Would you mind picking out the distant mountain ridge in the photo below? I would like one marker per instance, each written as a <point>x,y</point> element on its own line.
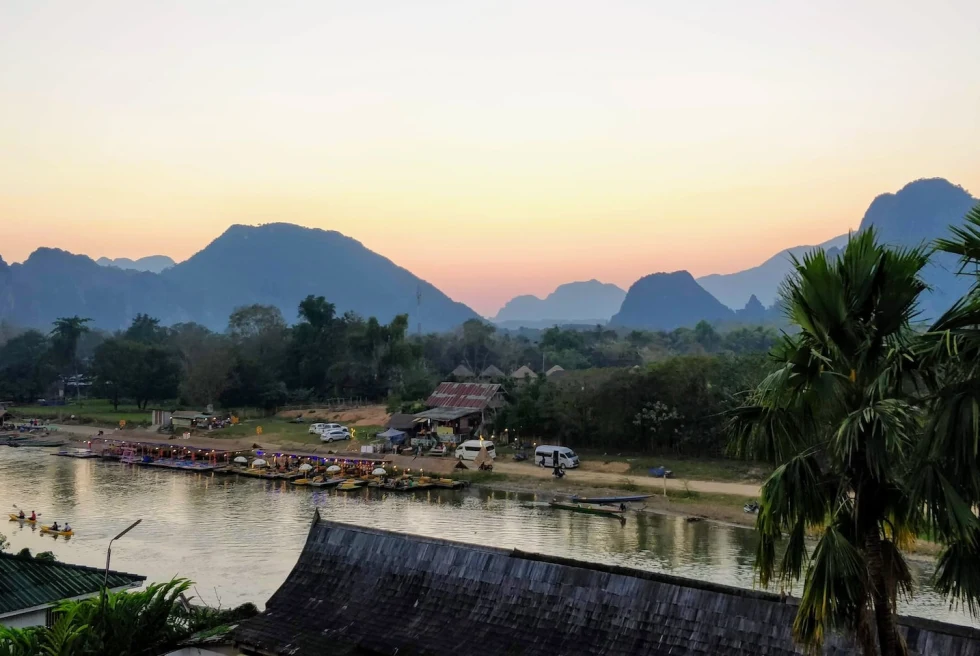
<point>151,263</point>
<point>276,264</point>
<point>587,302</point>
<point>665,301</point>
<point>918,213</point>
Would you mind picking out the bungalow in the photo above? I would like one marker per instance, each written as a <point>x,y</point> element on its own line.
<point>30,588</point>
<point>462,372</point>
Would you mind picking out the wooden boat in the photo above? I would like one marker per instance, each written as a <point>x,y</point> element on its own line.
<point>48,529</point>
<point>610,500</point>
<point>330,482</point>
<point>590,510</point>
<point>17,518</point>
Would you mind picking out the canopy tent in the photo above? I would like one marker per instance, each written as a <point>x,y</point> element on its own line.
<point>394,436</point>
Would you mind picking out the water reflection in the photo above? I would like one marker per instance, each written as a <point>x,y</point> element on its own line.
<point>238,538</point>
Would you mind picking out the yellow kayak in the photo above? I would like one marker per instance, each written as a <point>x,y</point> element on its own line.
<point>47,529</point>
<point>301,481</point>
<point>17,518</point>
<point>349,485</point>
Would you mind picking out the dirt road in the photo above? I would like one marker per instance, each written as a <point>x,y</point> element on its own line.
<point>646,484</point>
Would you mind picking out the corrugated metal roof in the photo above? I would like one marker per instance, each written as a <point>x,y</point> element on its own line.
<point>385,592</point>
<point>444,414</point>
<point>28,583</point>
<point>463,395</point>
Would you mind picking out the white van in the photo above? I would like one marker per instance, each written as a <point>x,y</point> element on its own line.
<point>544,456</point>
<point>470,449</point>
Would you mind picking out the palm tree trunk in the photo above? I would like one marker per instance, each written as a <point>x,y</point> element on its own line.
<point>889,640</point>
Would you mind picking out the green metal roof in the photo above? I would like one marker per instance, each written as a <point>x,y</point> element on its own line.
<point>28,583</point>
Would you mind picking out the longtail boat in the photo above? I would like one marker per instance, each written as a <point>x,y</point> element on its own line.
<point>589,510</point>
<point>609,500</point>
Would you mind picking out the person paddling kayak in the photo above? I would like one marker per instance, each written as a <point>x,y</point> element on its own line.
<point>33,516</point>
<point>21,515</point>
<point>54,527</point>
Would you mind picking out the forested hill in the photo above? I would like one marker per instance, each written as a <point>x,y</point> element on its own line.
<point>274,264</point>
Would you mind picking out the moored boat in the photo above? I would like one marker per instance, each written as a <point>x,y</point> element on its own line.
<point>609,500</point>
<point>351,484</point>
<point>588,509</point>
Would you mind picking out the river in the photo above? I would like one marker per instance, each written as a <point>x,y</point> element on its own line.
<point>238,538</point>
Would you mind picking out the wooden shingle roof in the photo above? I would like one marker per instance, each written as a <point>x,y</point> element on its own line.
<point>369,591</point>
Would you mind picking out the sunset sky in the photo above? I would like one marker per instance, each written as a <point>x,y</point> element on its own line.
<point>493,148</point>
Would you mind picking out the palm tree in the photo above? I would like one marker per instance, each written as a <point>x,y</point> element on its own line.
<point>837,418</point>
<point>66,333</point>
<point>948,481</point>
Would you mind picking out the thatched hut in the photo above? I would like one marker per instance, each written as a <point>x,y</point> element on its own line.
<point>462,372</point>
<point>492,373</point>
<point>369,591</point>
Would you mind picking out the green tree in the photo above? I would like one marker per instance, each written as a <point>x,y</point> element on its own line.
<point>26,368</point>
<point>836,418</point>
<point>947,481</point>
<point>65,335</point>
<point>145,330</point>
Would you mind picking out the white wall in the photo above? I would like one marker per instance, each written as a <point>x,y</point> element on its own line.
<point>25,620</point>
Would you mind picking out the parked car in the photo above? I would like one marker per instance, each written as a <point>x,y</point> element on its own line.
<point>334,435</point>
<point>470,449</point>
<point>326,428</point>
<point>438,450</point>
<point>317,428</point>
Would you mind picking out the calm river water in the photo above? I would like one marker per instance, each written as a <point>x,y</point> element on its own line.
<point>238,538</point>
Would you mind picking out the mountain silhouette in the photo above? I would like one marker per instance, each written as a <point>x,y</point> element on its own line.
<point>277,264</point>
<point>280,264</point>
<point>151,263</point>
<point>588,302</point>
<point>735,289</point>
<point>665,301</point>
<point>918,213</point>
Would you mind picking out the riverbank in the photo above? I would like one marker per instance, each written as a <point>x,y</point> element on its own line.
<point>718,501</point>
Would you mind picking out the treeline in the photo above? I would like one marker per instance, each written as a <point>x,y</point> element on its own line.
<point>676,406</point>
<point>261,361</point>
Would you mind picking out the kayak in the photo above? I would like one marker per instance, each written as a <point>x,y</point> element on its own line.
<point>590,510</point>
<point>47,529</point>
<point>350,485</point>
<point>17,518</point>
<point>300,481</point>
<point>606,500</point>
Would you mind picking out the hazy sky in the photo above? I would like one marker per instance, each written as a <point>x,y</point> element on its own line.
<point>493,148</point>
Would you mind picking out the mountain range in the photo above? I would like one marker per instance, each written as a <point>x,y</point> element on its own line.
<point>276,264</point>
<point>279,264</point>
<point>915,215</point>
<point>589,302</point>
<point>151,263</point>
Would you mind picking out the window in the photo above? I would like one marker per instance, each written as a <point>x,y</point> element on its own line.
<point>471,448</point>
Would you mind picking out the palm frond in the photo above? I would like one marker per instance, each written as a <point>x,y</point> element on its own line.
<point>834,595</point>
<point>958,572</point>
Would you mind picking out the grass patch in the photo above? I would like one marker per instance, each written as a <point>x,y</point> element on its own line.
<point>284,430</point>
<point>698,469</point>
<point>87,411</point>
